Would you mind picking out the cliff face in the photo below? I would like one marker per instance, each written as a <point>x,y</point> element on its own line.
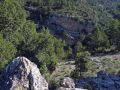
<point>57,22</point>
<point>68,24</point>
<point>22,74</point>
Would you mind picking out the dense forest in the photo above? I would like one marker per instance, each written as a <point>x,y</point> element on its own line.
<point>23,32</point>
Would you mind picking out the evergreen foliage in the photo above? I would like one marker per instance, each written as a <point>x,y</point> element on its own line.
<point>7,52</point>
<point>81,63</point>
<point>19,37</point>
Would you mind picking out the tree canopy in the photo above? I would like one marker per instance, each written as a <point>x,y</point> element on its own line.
<point>7,52</point>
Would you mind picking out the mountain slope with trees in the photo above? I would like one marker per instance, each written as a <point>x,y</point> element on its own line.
<point>25,31</point>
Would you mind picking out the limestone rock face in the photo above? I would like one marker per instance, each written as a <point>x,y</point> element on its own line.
<point>22,74</point>
<point>70,25</point>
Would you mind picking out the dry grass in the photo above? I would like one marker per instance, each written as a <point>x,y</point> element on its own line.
<point>63,69</point>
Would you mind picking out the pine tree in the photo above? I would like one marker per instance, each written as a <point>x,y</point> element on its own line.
<point>81,62</point>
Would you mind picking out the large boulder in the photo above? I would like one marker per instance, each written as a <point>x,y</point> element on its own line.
<point>22,74</point>
<point>68,84</point>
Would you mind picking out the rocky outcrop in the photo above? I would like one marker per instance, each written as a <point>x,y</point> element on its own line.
<point>69,24</point>
<point>68,84</point>
<point>103,81</point>
<point>61,24</point>
<point>22,74</point>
